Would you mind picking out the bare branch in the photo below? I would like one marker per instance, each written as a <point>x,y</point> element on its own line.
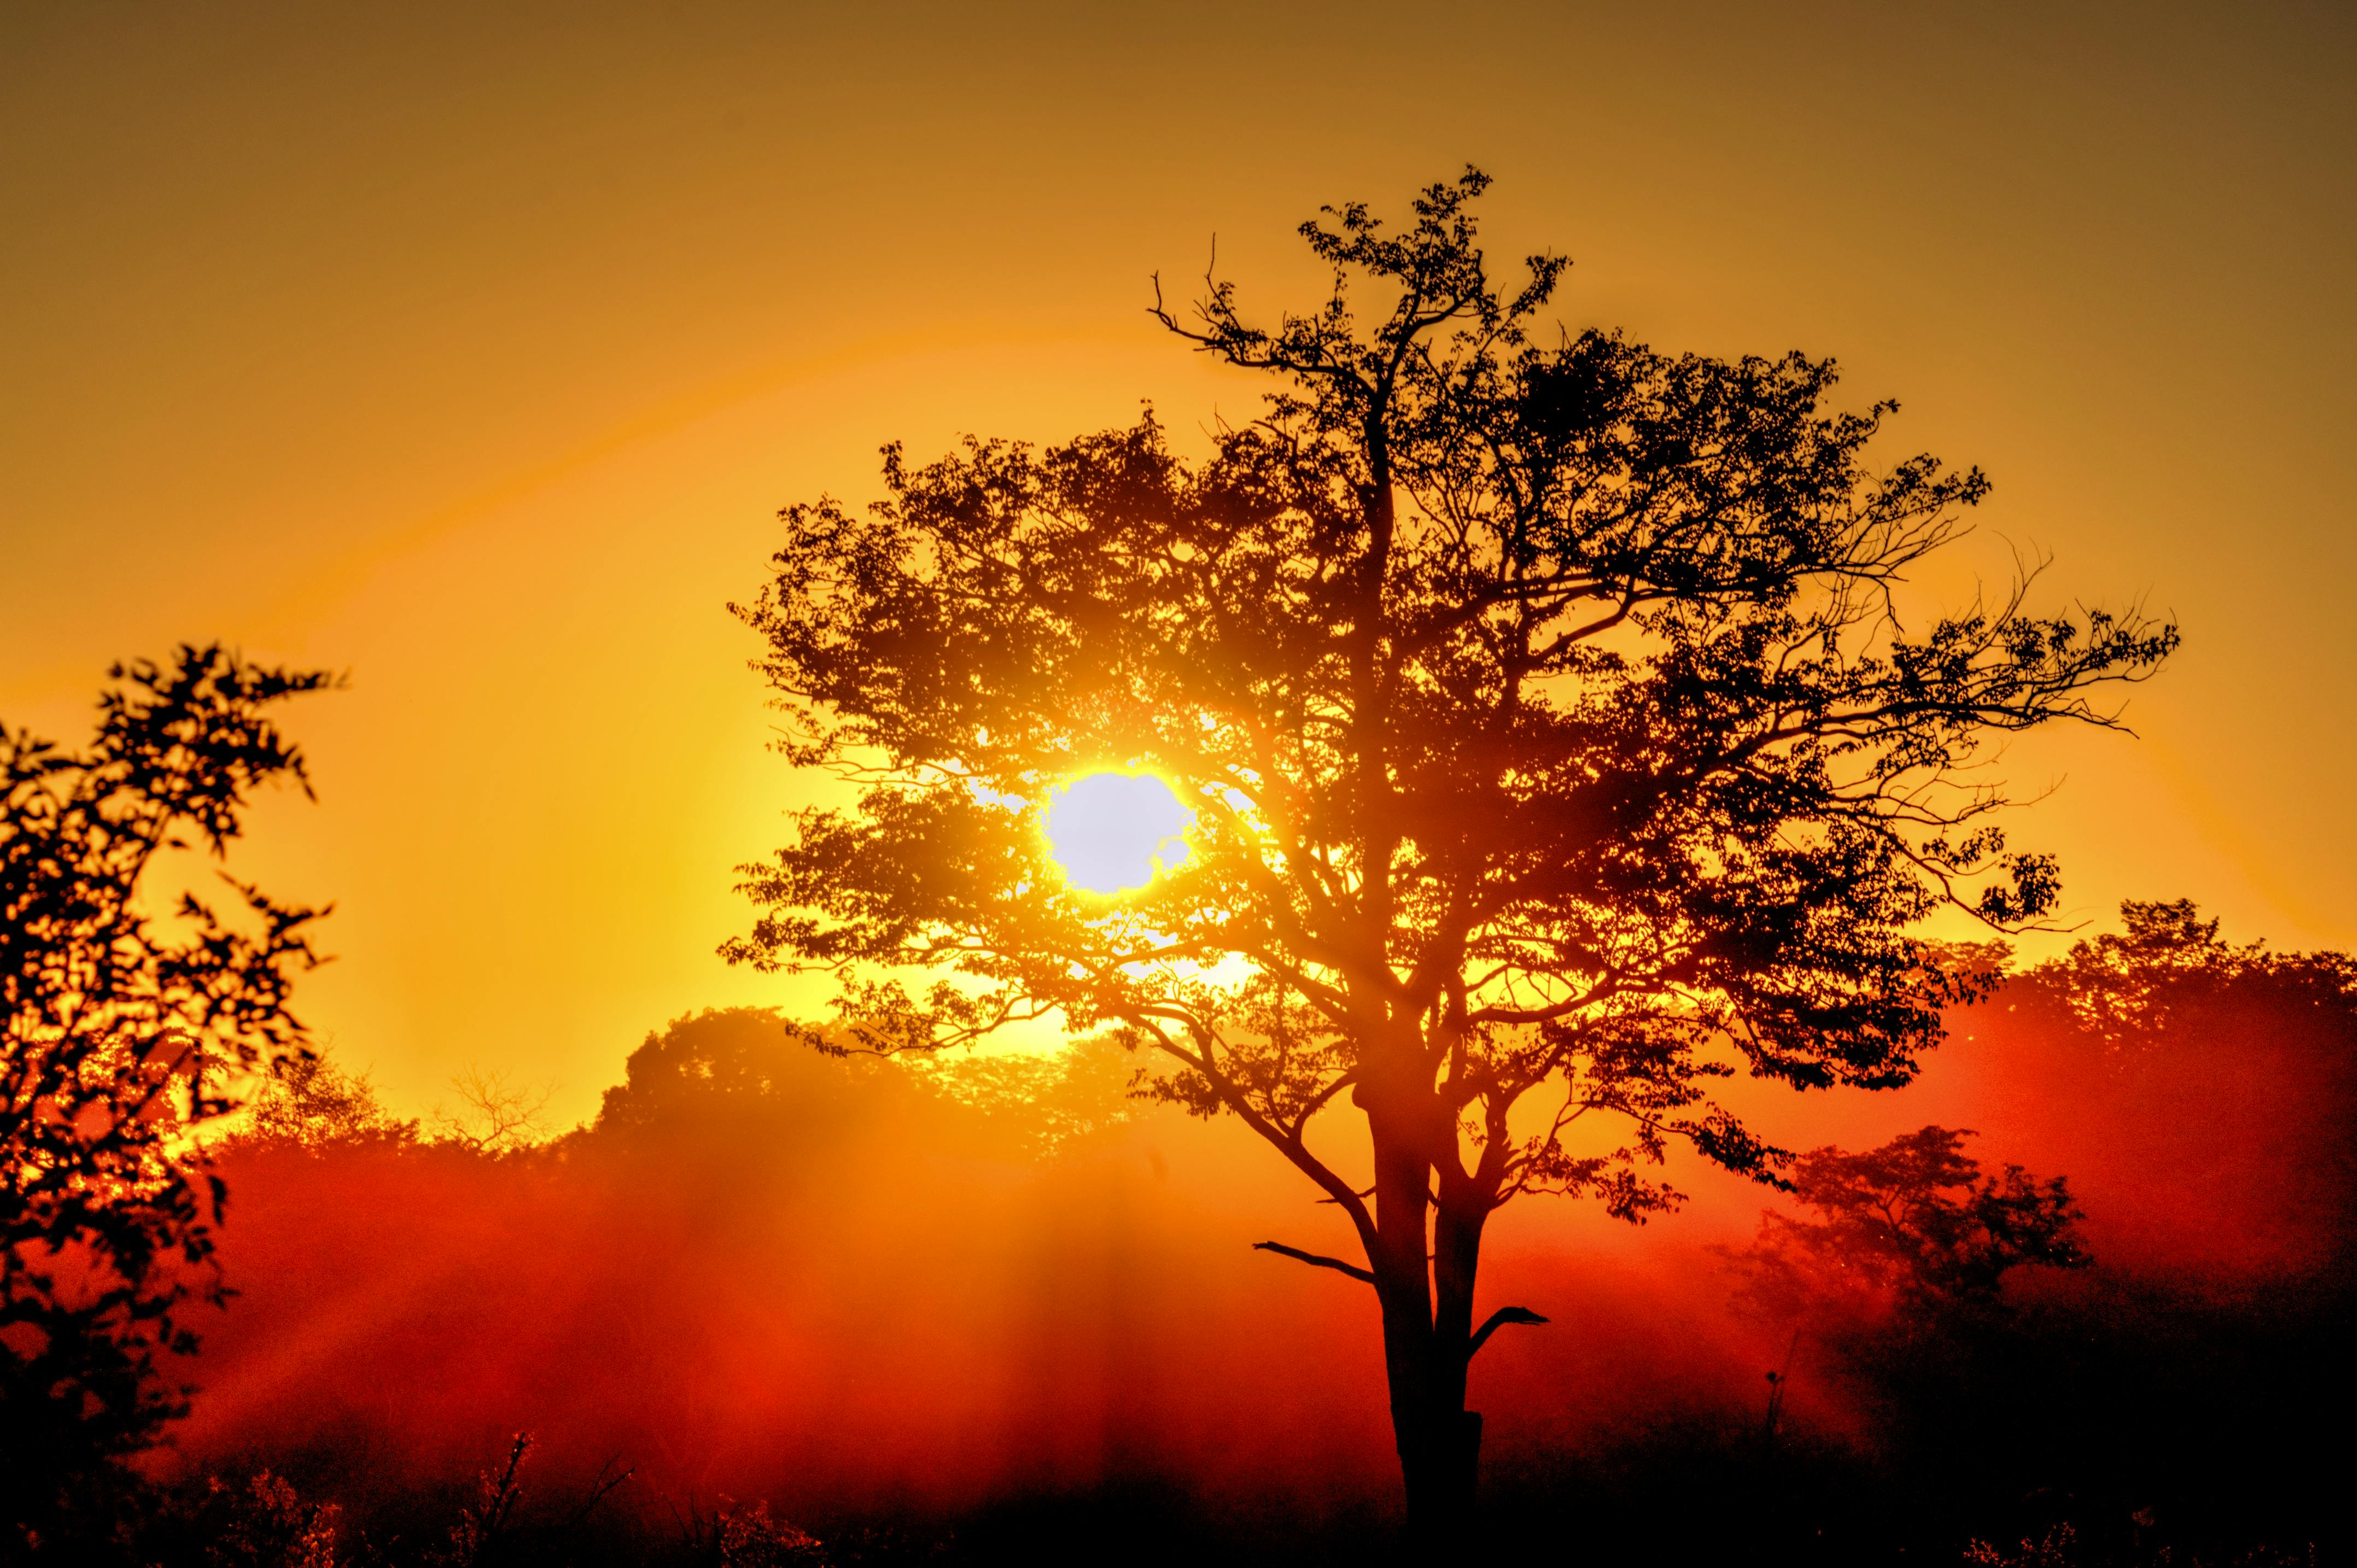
<point>1318,1260</point>
<point>495,1115</point>
<point>1497,1320</point>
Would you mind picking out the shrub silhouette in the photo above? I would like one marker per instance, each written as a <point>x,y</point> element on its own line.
<point>120,1030</point>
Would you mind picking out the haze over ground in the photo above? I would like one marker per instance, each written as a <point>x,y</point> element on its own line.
<point>472,353</point>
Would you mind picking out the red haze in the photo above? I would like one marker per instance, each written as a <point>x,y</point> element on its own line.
<point>848,1292</point>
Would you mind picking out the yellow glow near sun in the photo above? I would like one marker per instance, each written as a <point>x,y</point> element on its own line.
<point>1111,832</point>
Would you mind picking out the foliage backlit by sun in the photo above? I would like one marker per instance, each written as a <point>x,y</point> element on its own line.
<point>1112,831</point>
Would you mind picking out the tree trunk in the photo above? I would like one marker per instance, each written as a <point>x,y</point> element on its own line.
<point>1440,1462</point>
<point>1426,1341</point>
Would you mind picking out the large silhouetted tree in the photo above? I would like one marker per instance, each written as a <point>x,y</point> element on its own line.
<point>1555,748</point>
<point>123,1015</point>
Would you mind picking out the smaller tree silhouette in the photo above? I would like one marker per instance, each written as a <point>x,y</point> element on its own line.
<point>310,1103</point>
<point>496,1116</point>
<point>117,1033</point>
<point>1913,1223</point>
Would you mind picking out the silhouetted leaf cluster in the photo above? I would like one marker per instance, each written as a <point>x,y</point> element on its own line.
<point>120,1029</point>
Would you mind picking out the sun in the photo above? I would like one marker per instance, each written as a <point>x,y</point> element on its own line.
<point>1111,831</point>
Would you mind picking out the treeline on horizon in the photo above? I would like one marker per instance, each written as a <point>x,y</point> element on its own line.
<point>774,1306</point>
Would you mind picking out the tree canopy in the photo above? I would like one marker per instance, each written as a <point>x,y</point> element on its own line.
<point>2169,973</point>
<point>1914,1220</point>
<point>1545,708</point>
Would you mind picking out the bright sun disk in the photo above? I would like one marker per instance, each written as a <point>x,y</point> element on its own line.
<point>1112,831</point>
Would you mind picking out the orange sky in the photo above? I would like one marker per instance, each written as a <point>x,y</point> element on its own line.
<point>473,354</point>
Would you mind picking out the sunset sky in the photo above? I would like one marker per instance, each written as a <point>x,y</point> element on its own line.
<point>471,350</point>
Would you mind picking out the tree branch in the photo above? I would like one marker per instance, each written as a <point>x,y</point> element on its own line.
<point>1497,1320</point>
<point>1318,1260</point>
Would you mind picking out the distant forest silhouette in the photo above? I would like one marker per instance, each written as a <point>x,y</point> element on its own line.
<point>993,1301</point>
